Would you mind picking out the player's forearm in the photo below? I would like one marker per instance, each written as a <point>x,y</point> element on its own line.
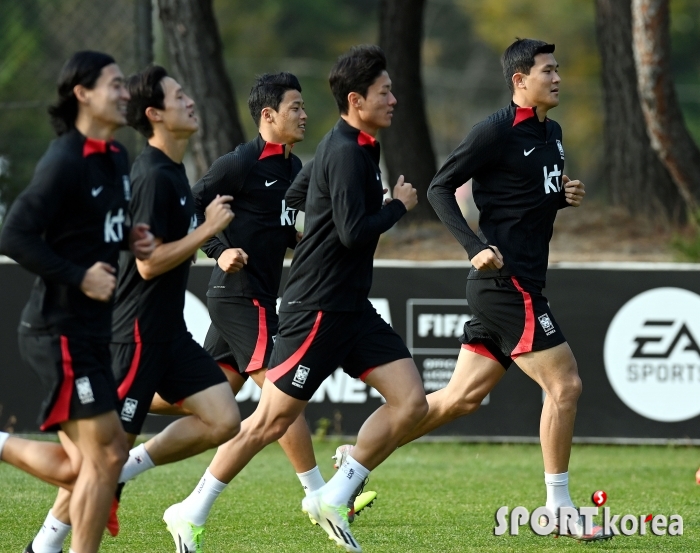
<point>445,205</point>
<point>169,255</point>
<point>355,232</point>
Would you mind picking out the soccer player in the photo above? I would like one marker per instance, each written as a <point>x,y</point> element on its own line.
<point>68,227</point>
<point>151,347</point>
<point>326,320</point>
<point>515,159</point>
<point>250,252</point>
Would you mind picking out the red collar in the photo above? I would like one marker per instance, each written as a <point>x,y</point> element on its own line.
<point>95,146</point>
<point>364,139</point>
<point>522,114</point>
<point>271,149</point>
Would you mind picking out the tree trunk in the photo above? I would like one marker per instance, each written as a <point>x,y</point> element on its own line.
<point>195,54</point>
<point>406,144</point>
<point>669,136</point>
<point>636,178</point>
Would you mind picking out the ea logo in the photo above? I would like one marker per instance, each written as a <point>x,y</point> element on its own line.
<point>652,354</point>
<point>196,317</point>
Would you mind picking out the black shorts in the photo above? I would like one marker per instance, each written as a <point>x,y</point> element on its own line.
<point>511,317</point>
<point>311,345</point>
<point>75,374</point>
<point>242,333</point>
<point>176,370</point>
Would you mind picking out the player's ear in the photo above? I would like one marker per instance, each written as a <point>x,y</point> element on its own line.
<point>268,115</point>
<point>518,80</point>
<point>153,114</point>
<point>355,100</point>
<point>81,94</point>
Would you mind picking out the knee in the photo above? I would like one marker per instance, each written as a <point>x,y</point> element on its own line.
<point>416,407</point>
<point>568,390</point>
<point>226,429</point>
<point>464,405</point>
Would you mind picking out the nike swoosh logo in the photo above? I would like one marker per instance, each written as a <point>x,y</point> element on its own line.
<point>96,191</point>
<point>183,200</point>
<point>269,183</point>
<point>528,153</point>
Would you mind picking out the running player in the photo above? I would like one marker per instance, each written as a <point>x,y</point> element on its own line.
<point>68,227</point>
<point>515,159</point>
<point>152,349</point>
<point>326,319</point>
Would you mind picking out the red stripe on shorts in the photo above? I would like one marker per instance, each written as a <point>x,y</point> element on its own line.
<point>125,386</point>
<point>258,358</point>
<point>480,349</point>
<point>528,336</point>
<point>60,412</point>
<point>280,370</point>
<point>366,373</point>
<point>227,367</point>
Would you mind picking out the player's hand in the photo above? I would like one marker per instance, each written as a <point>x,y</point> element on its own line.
<point>99,282</point>
<point>141,241</point>
<point>218,214</point>
<point>574,190</point>
<point>300,235</point>
<point>405,192</point>
<point>488,259</point>
<point>232,260</point>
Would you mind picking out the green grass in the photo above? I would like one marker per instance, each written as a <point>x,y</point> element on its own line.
<point>432,498</point>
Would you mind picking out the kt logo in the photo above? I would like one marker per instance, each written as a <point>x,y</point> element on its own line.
<point>647,352</point>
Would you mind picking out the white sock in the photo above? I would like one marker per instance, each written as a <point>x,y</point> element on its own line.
<point>345,481</point>
<point>3,439</point>
<point>51,536</point>
<point>557,491</point>
<point>139,461</point>
<point>195,508</point>
<point>311,480</point>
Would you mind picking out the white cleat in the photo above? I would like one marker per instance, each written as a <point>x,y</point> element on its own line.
<point>187,536</point>
<point>333,519</point>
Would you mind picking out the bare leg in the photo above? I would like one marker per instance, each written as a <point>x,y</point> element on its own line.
<point>473,378</point>
<point>296,442</point>
<point>555,370</point>
<point>215,420</point>
<point>402,387</point>
<point>103,447</point>
<point>270,420</point>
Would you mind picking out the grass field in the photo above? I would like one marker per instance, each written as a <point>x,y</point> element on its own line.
<point>432,498</point>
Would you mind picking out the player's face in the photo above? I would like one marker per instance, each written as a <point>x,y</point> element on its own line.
<point>178,117</point>
<point>106,101</point>
<point>542,84</point>
<point>290,119</point>
<point>376,109</point>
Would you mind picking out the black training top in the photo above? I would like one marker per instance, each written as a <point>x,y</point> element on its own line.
<point>72,215</point>
<point>257,175</point>
<point>153,310</point>
<point>516,164</point>
<point>345,215</point>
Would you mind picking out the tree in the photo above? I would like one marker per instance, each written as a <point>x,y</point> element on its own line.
<point>196,55</point>
<point>668,134</point>
<point>636,178</point>
<point>407,147</point>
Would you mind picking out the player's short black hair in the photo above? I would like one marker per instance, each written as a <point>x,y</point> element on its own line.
<point>83,68</point>
<point>146,90</point>
<point>268,91</point>
<point>519,57</point>
<point>356,71</point>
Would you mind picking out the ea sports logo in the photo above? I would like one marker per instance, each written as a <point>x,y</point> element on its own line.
<point>652,354</point>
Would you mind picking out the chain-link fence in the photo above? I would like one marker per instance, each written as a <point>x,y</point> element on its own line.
<point>36,38</point>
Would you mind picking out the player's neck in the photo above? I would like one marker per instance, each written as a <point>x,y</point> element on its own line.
<point>540,111</point>
<point>94,128</point>
<point>353,119</point>
<point>172,146</point>
<point>269,135</point>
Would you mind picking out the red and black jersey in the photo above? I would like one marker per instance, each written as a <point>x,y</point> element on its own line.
<point>257,174</point>
<point>72,215</point>
<point>516,163</point>
<point>344,217</point>
<point>153,310</point>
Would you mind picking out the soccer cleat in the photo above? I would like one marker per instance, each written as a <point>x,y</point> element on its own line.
<point>333,519</point>
<point>187,536</point>
<point>30,549</point>
<point>360,499</point>
<point>597,532</point>
<point>113,521</point>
